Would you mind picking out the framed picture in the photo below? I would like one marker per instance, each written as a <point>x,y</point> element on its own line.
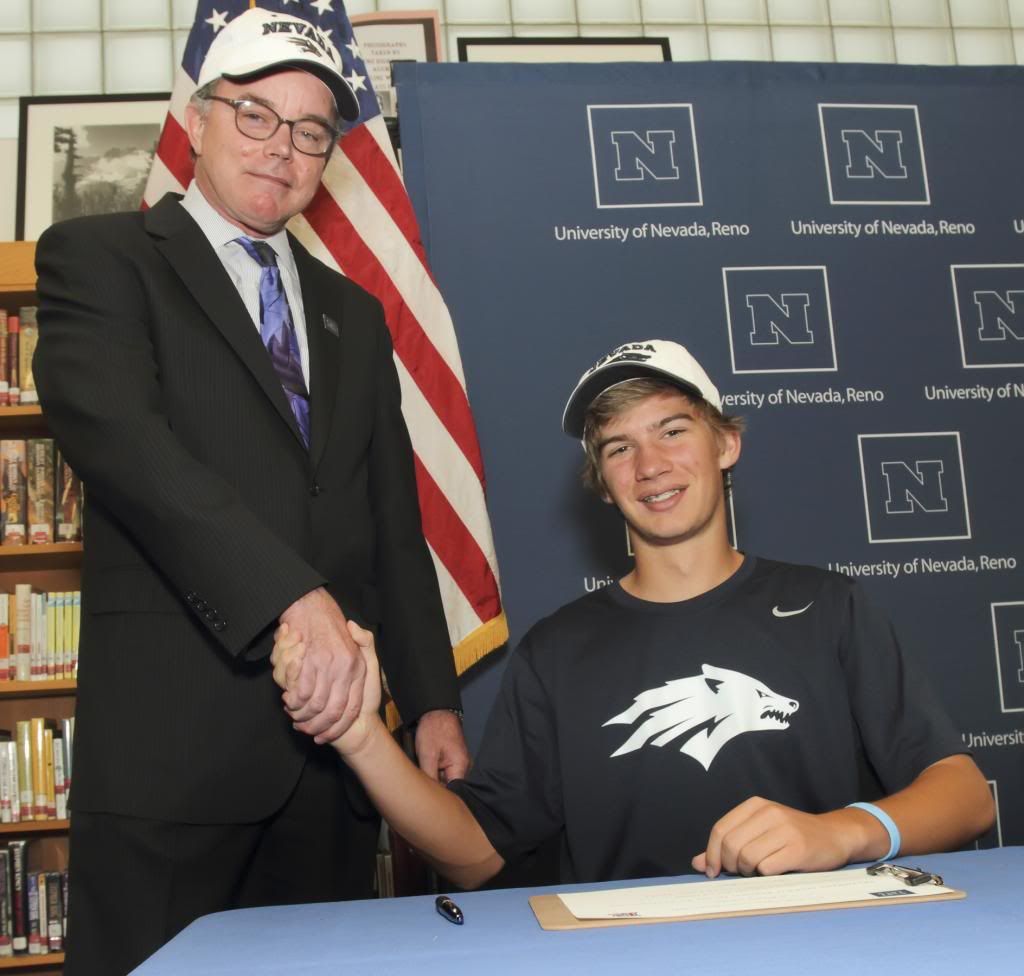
<point>387,37</point>
<point>83,155</point>
<point>548,49</point>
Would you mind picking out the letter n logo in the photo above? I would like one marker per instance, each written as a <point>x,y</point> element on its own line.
<point>780,319</point>
<point>784,317</point>
<point>644,156</point>
<point>874,154</point>
<point>871,154</point>
<point>917,488</point>
<point>989,302</point>
<point>1008,636</point>
<point>914,487</point>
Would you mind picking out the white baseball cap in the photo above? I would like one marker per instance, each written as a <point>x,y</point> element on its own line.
<point>258,41</point>
<point>660,358</point>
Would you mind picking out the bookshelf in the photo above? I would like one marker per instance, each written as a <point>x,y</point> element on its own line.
<point>46,567</point>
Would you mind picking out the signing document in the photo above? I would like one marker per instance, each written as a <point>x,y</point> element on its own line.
<point>744,896</point>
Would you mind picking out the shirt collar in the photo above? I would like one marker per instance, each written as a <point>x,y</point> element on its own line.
<point>219,231</point>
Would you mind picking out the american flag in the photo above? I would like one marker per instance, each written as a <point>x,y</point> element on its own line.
<point>361,222</point>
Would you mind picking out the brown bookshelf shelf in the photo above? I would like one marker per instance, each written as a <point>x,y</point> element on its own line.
<point>37,689</point>
<point>29,410</point>
<point>26,421</point>
<point>56,555</point>
<point>35,827</point>
<point>32,962</point>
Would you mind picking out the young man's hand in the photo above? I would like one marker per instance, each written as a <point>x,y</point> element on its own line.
<point>288,656</point>
<point>762,837</point>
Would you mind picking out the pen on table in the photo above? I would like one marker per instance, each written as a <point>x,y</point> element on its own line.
<point>448,909</point>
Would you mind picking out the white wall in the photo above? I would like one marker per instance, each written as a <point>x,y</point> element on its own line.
<point>8,187</point>
<point>62,47</point>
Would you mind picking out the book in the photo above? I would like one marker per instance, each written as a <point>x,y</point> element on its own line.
<point>13,458</point>
<point>67,735</point>
<point>37,670</point>
<point>51,635</point>
<point>60,657</point>
<point>23,631</point>
<point>64,900</point>
<point>9,764</point>
<point>44,921</point>
<point>13,390</point>
<point>27,339</point>
<point>19,862</point>
<point>54,913</point>
<point>6,921</point>
<point>76,621</point>
<point>6,672</point>
<point>40,490</point>
<point>69,502</point>
<point>7,788</point>
<point>50,785</point>
<point>26,798</point>
<point>59,782</point>
<point>32,914</point>
<point>37,741</point>
<point>5,399</point>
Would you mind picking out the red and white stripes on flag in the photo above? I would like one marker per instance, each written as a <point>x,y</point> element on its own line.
<point>361,223</point>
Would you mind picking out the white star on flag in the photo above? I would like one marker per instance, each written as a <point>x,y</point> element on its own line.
<point>354,48</point>
<point>218,20</point>
<point>322,6</point>
<point>357,81</point>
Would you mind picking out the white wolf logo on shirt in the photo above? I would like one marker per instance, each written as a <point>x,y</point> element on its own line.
<point>709,708</point>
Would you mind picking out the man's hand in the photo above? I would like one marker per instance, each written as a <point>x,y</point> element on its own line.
<point>326,697</point>
<point>762,837</point>
<point>441,747</point>
<point>287,658</point>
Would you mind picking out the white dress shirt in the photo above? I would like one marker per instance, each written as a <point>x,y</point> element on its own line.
<point>244,271</point>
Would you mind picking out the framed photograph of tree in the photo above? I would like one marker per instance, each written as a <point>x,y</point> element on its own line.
<point>82,155</point>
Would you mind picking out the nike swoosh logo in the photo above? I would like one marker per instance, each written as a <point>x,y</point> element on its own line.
<point>776,612</point>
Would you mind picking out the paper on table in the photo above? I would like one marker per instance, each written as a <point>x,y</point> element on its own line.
<point>743,895</point>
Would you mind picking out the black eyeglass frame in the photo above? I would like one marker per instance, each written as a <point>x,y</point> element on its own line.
<point>236,103</point>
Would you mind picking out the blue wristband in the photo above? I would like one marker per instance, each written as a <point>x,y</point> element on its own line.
<point>887,822</point>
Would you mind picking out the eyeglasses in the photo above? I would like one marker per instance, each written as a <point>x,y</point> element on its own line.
<point>310,137</point>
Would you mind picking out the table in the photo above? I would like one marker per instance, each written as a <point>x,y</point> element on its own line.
<point>406,937</point>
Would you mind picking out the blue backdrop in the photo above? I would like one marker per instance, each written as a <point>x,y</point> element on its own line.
<point>840,246</point>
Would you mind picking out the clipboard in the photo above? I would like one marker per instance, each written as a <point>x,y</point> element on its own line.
<point>886,884</point>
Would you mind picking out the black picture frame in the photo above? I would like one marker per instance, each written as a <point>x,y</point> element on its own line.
<point>121,130</point>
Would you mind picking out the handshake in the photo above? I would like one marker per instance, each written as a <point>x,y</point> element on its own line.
<point>287,658</point>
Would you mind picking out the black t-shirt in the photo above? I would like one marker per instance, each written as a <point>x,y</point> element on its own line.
<point>636,725</point>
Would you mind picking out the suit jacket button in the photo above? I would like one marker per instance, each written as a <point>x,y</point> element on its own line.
<point>210,614</point>
<point>200,605</point>
<point>191,598</point>
<point>314,489</point>
<point>220,625</point>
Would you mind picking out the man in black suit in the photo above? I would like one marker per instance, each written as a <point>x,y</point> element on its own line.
<point>229,489</point>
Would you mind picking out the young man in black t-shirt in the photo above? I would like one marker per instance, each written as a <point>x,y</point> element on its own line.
<point>711,711</point>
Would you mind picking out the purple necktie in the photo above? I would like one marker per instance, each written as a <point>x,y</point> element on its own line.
<point>278,331</point>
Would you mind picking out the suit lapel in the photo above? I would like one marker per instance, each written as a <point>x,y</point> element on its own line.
<point>323,333</point>
<point>188,252</point>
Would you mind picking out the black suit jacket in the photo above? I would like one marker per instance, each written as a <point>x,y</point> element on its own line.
<point>206,517</point>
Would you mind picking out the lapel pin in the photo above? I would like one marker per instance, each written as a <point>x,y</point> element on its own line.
<point>331,326</point>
